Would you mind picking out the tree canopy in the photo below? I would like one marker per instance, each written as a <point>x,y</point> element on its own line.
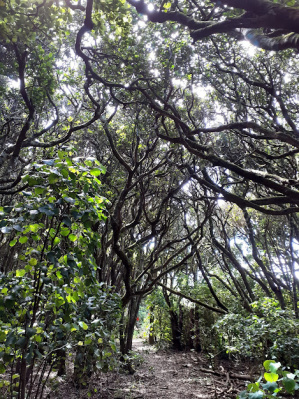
<point>159,142</point>
<point>271,25</point>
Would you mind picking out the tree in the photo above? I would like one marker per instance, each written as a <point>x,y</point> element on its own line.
<point>141,241</point>
<point>44,112</point>
<point>251,120</point>
<point>199,139</point>
<point>267,24</point>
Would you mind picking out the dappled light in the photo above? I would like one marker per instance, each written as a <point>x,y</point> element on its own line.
<point>149,199</point>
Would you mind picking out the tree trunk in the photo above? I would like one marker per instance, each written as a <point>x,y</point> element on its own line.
<point>176,331</point>
<point>151,336</point>
<point>175,324</point>
<point>128,324</point>
<point>196,340</point>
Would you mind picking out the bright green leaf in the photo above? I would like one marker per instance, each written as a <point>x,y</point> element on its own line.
<point>33,262</point>
<point>72,237</point>
<point>95,172</point>
<point>20,273</point>
<point>83,325</point>
<point>271,377</point>
<point>23,239</point>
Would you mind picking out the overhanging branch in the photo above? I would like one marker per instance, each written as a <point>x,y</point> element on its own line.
<point>205,305</point>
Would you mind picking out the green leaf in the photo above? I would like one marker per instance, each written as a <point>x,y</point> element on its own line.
<point>64,231</point>
<point>56,241</point>
<point>72,237</point>
<point>21,342</point>
<point>256,395</point>
<point>61,154</point>
<point>38,338</point>
<point>20,273</point>
<point>51,257</point>
<point>76,215</point>
<point>53,178</point>
<point>270,386</point>
<point>70,299</point>
<point>64,173</point>
<point>34,212</point>
<point>17,227</point>
<point>113,346</point>
<point>13,243</point>
<point>59,275</point>
<point>254,387</point>
<point>68,161</point>
<point>10,340</point>
<point>289,384</point>
<point>34,227</point>
<point>69,200</point>
<point>267,363</point>
<point>32,181</point>
<point>49,210</point>
<point>23,239</point>
<point>9,302</point>
<point>83,325</point>
<point>271,377</point>
<point>273,367</point>
<point>99,365</point>
<point>39,190</point>
<point>30,332</point>
<point>95,172</point>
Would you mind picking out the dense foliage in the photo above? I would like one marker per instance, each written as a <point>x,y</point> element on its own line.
<point>51,300</point>
<point>148,150</point>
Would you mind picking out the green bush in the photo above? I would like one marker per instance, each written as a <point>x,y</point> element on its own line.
<point>157,321</point>
<point>268,332</point>
<point>51,302</point>
<point>276,381</point>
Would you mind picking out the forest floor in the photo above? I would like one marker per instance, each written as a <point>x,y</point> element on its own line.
<point>164,374</point>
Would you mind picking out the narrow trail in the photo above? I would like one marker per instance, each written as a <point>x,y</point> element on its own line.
<point>161,374</point>
<point>166,374</point>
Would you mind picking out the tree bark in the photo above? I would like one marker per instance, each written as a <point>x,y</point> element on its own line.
<point>176,327</point>
<point>128,324</point>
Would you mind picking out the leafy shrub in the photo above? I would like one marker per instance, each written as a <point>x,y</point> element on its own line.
<point>157,321</point>
<point>278,380</point>
<point>51,301</point>
<point>268,332</point>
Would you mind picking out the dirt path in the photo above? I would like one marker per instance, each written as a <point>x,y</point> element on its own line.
<point>162,374</point>
<point>171,375</point>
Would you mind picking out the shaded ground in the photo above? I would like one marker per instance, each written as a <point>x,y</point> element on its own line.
<point>163,374</point>
<point>173,375</point>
